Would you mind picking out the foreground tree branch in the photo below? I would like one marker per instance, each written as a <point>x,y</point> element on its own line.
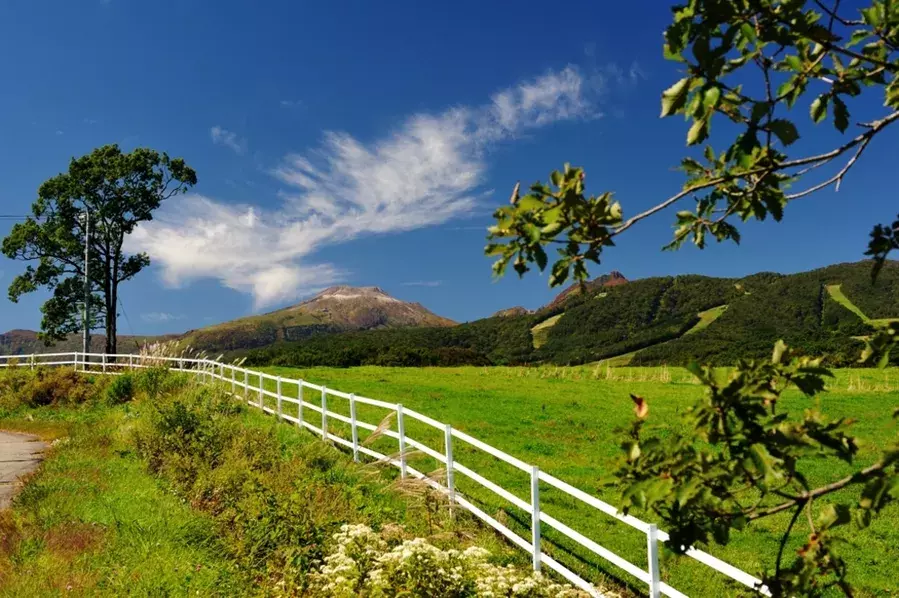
<point>741,457</point>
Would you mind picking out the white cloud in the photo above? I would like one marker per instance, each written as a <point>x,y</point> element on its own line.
<point>427,171</point>
<point>423,283</point>
<point>291,103</point>
<point>158,317</point>
<point>229,139</point>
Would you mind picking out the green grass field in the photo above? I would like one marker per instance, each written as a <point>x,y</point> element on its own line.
<point>564,420</point>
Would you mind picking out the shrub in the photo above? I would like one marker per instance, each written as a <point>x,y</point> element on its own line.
<point>157,380</point>
<point>120,390</point>
<point>47,386</point>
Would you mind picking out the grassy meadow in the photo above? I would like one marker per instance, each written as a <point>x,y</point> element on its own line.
<point>565,419</point>
<point>168,488</point>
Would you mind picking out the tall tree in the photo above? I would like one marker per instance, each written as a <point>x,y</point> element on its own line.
<point>752,63</point>
<point>116,191</point>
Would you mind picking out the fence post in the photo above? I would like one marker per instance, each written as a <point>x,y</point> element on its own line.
<point>353,428</point>
<point>130,362</point>
<point>300,403</point>
<point>233,382</point>
<point>652,548</point>
<point>104,363</point>
<point>450,474</point>
<point>401,430</point>
<point>261,396</point>
<point>246,386</point>
<point>324,413</point>
<point>32,361</point>
<point>535,517</point>
<point>279,397</point>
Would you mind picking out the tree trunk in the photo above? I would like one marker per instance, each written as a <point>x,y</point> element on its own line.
<point>110,298</point>
<point>111,321</point>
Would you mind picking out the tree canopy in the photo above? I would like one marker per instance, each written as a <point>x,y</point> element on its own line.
<point>117,191</point>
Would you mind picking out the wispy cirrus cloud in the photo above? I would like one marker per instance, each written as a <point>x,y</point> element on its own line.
<point>229,139</point>
<point>427,171</point>
<point>158,317</point>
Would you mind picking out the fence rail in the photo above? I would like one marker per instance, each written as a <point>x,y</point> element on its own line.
<point>241,384</point>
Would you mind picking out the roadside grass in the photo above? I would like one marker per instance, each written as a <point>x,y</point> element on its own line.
<point>92,522</point>
<point>565,420</point>
<point>232,503</point>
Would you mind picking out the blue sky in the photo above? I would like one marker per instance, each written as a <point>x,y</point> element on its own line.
<point>367,143</point>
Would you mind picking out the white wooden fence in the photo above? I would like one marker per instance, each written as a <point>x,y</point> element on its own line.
<point>250,385</point>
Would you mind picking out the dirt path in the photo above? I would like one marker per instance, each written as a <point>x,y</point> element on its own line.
<point>19,454</point>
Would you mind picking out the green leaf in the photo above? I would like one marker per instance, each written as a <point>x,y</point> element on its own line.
<point>711,98</point>
<point>892,94</point>
<point>794,62</point>
<point>540,257</point>
<point>674,98</point>
<point>529,203</point>
<point>819,108</point>
<point>559,273</point>
<point>840,114</point>
<point>858,36</point>
<point>785,130</point>
<point>698,132</point>
<point>833,515</point>
<point>759,110</point>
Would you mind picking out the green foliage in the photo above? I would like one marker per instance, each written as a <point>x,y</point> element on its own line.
<point>629,317</point>
<point>537,219</point>
<point>119,190</point>
<point>498,340</point>
<point>120,390</point>
<point>797,308</point>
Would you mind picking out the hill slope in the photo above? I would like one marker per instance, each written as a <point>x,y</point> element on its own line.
<point>336,309</point>
<point>26,342</point>
<point>669,320</point>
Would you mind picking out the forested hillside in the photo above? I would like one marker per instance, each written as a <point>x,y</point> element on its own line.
<point>670,320</point>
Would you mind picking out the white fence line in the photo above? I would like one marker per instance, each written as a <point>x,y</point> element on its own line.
<point>242,378</point>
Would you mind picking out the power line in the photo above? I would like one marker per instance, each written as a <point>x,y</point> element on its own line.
<point>124,313</point>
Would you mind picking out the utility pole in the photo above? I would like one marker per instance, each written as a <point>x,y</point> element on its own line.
<point>87,283</point>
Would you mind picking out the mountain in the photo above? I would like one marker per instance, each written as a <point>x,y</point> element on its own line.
<point>662,320</point>
<point>336,309</point>
<point>613,278</point>
<point>26,342</point>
